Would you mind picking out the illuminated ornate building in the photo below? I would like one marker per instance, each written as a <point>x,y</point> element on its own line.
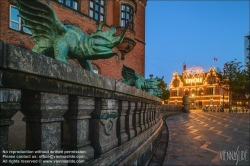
<point>204,88</point>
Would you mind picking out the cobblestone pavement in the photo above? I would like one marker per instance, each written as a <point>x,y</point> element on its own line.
<point>200,138</point>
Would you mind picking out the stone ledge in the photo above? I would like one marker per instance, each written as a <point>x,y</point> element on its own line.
<point>21,60</point>
<point>24,60</point>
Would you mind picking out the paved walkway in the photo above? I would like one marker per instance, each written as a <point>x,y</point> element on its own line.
<point>200,138</point>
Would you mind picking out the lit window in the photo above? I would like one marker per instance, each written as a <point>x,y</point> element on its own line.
<point>176,83</point>
<point>96,9</point>
<point>210,91</point>
<point>127,14</point>
<point>174,93</point>
<point>200,91</point>
<point>15,20</point>
<point>70,3</point>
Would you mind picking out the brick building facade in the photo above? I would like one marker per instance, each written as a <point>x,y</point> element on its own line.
<point>86,14</point>
<point>205,89</point>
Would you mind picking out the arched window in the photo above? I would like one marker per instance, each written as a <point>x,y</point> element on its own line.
<point>200,92</point>
<point>127,14</point>
<point>186,91</point>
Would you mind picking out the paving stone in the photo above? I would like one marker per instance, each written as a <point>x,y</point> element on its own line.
<point>200,138</point>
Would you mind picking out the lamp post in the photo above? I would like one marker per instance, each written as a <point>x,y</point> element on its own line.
<point>248,99</point>
<point>193,101</point>
<point>221,90</point>
<point>223,105</point>
<point>221,85</point>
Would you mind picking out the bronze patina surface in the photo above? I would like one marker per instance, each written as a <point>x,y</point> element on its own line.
<point>132,78</point>
<point>60,41</point>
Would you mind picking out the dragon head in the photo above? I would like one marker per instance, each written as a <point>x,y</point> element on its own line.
<point>100,43</point>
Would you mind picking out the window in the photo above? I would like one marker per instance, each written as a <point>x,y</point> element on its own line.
<point>70,3</point>
<point>210,91</point>
<point>176,83</point>
<point>193,92</point>
<point>96,9</point>
<point>175,93</point>
<point>96,69</point>
<point>212,80</point>
<point>15,20</point>
<point>200,92</point>
<point>127,13</point>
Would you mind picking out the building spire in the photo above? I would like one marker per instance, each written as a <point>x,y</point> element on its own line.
<point>184,66</point>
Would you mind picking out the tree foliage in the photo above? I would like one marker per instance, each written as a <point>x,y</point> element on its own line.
<point>237,76</point>
<point>165,92</point>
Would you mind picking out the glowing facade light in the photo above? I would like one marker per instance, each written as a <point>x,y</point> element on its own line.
<point>202,86</point>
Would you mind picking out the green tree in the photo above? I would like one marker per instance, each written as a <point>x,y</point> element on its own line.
<point>237,76</point>
<point>165,92</point>
<point>246,78</point>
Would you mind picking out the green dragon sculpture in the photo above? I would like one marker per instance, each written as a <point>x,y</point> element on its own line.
<point>132,78</point>
<point>60,41</point>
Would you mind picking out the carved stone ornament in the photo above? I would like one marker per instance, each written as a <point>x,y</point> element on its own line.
<point>108,125</point>
<point>126,46</point>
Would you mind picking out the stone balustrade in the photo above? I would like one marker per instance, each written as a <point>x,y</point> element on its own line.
<point>70,109</point>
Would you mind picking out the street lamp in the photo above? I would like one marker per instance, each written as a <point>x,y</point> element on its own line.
<point>248,98</point>
<point>221,85</point>
<point>193,101</point>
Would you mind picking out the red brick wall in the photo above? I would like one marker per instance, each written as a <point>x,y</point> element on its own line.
<point>108,67</point>
<point>9,35</point>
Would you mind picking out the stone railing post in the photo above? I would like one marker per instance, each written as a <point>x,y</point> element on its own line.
<point>142,117</point>
<point>153,114</point>
<point>76,126</point>
<point>103,125</point>
<point>185,102</point>
<point>128,120</point>
<point>121,132</point>
<point>158,112</point>
<point>150,116</point>
<point>147,116</point>
<point>43,115</point>
<point>9,105</point>
<point>136,118</point>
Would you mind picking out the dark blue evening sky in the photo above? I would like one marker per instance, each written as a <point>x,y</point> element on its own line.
<point>193,32</point>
